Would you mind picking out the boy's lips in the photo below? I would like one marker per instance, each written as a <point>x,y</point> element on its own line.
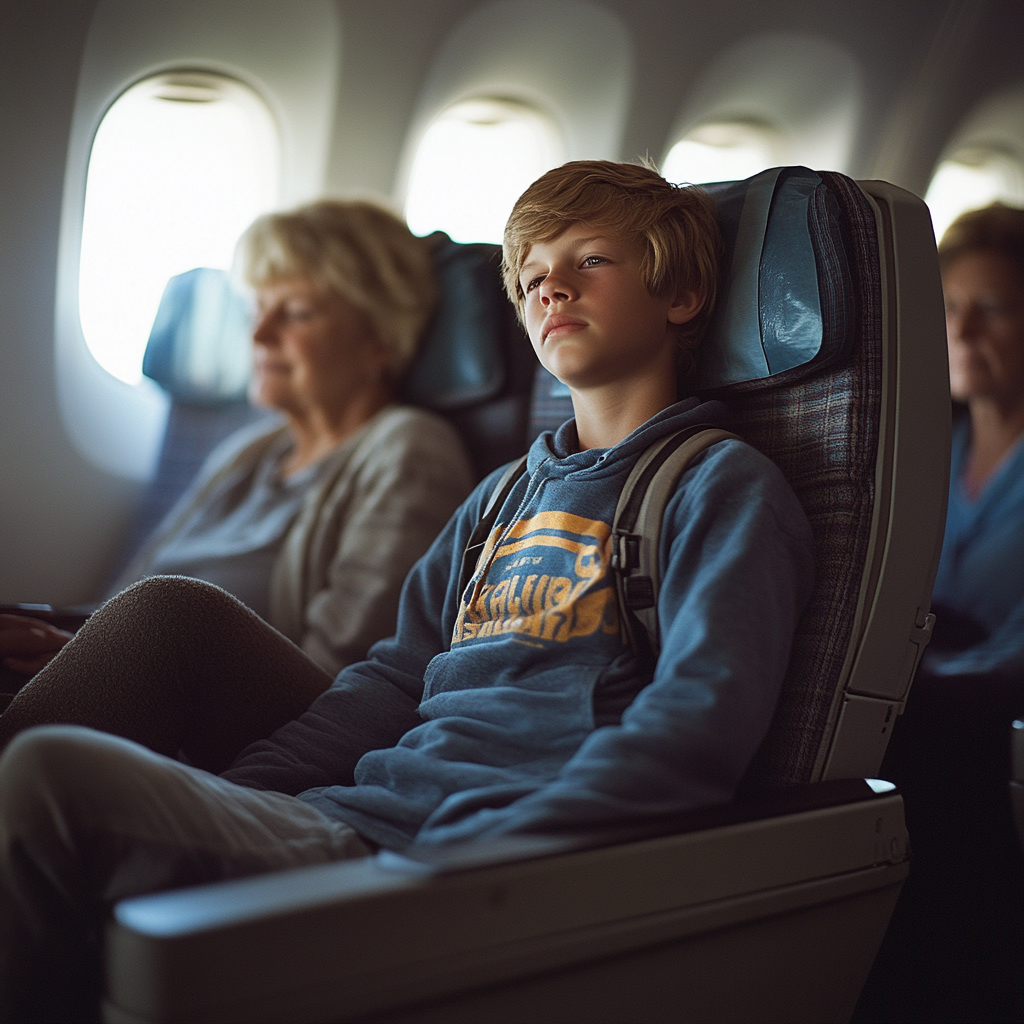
<point>553,323</point>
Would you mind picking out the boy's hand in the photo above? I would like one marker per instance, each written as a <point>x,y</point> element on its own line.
<point>27,644</point>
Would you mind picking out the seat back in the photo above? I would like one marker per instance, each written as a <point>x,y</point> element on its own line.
<point>865,445</point>
<point>829,348</point>
<point>475,365</point>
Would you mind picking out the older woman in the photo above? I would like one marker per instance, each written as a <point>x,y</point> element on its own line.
<point>314,520</point>
<point>979,589</point>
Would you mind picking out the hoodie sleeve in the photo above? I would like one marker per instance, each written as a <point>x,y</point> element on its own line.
<point>737,571</point>
<point>372,703</point>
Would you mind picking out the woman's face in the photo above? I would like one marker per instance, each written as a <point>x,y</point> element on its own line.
<point>984,294</point>
<point>313,350</point>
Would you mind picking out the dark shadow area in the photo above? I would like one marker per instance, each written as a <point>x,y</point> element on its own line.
<point>954,950</point>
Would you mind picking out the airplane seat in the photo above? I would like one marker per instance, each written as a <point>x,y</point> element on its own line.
<point>829,346</point>
<point>474,366</point>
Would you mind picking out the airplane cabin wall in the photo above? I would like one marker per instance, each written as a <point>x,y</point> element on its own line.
<point>914,72</point>
<point>59,516</point>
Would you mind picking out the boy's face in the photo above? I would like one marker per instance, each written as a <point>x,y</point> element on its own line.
<point>589,314</point>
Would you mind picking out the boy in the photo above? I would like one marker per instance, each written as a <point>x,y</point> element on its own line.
<point>513,706</point>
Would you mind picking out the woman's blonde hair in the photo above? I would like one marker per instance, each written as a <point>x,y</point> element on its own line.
<point>358,250</point>
<point>675,226</point>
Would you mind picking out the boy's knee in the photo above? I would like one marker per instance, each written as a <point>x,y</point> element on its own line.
<point>53,773</point>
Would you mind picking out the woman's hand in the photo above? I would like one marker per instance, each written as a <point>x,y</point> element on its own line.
<point>27,644</point>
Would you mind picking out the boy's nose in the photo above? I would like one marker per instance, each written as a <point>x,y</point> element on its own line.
<point>555,289</point>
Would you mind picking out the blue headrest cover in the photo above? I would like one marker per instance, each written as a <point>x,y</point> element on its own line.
<point>785,278</point>
<point>199,349</point>
<point>459,361</point>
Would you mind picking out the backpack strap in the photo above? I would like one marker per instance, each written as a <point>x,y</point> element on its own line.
<point>636,532</point>
<point>478,538</point>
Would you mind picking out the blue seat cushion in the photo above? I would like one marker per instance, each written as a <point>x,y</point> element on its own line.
<point>199,349</point>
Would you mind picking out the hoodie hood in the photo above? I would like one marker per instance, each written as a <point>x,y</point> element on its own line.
<point>562,446</point>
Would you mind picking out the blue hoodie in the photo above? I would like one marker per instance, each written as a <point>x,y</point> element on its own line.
<point>516,707</point>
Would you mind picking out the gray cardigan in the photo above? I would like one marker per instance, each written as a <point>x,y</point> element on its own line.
<point>379,500</point>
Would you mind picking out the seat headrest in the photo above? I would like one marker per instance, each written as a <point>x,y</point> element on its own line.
<point>199,349</point>
<point>460,361</point>
<point>785,278</point>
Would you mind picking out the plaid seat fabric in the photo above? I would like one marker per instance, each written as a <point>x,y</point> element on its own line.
<point>822,433</point>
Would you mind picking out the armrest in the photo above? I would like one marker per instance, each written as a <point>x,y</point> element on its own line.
<point>355,937</point>
<point>762,805</point>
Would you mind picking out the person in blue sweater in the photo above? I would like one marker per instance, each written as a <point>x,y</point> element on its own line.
<point>512,707</point>
<point>979,589</point>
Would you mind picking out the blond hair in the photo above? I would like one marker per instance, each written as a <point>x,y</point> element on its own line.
<point>675,226</point>
<point>358,250</point>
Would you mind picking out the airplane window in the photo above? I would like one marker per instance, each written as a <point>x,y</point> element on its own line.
<point>726,151</point>
<point>180,165</point>
<point>972,178</point>
<point>473,162</point>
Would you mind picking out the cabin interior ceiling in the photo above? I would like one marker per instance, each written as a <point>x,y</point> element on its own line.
<point>922,66</point>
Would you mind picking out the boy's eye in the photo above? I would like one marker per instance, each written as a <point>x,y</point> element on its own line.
<point>593,261</point>
<point>530,285</point>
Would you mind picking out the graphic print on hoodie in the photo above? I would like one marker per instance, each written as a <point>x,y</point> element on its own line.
<point>543,578</point>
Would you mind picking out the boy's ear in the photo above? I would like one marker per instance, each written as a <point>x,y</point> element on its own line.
<point>685,306</point>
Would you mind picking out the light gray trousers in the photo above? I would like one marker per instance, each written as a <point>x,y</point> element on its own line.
<point>87,819</point>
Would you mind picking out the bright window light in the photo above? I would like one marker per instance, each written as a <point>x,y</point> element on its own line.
<point>473,163</point>
<point>971,179</point>
<point>180,165</point>
<point>720,152</point>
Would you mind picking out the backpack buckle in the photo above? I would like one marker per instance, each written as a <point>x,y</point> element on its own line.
<point>625,551</point>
